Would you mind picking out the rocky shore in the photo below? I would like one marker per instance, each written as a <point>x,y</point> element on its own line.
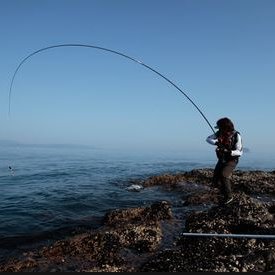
<point>150,238</point>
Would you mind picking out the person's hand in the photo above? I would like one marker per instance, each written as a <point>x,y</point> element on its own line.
<point>223,150</point>
<point>218,143</point>
<point>226,151</point>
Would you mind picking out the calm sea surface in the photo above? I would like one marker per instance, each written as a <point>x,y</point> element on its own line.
<point>59,188</point>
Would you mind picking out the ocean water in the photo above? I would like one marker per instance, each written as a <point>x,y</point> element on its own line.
<point>55,189</point>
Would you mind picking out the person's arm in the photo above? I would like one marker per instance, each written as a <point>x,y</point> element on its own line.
<point>212,139</point>
<point>238,148</point>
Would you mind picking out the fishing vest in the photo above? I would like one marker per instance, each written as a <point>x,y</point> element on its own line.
<point>228,143</point>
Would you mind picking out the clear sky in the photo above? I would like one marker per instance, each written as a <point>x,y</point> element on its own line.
<point>220,52</point>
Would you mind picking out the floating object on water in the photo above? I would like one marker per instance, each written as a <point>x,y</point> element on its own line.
<point>11,170</point>
<point>135,187</point>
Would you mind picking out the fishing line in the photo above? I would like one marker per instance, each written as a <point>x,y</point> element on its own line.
<point>109,51</point>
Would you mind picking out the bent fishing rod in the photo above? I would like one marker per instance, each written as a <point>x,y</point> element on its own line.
<point>109,51</point>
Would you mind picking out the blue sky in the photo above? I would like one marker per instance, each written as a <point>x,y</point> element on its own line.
<point>221,53</point>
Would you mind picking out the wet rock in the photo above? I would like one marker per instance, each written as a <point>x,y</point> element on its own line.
<point>250,182</point>
<point>254,182</point>
<point>203,197</point>
<point>164,180</point>
<point>142,238</point>
<point>203,176</point>
<point>194,254</point>
<point>243,215</point>
<point>216,255</point>
<point>130,239</point>
<point>138,229</point>
<point>77,253</point>
<point>157,211</point>
<point>271,209</point>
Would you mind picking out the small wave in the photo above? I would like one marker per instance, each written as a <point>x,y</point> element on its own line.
<point>134,188</point>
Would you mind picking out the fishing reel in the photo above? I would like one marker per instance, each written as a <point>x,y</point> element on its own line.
<point>222,151</point>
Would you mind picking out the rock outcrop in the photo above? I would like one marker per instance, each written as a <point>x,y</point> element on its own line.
<point>243,216</point>
<point>135,229</point>
<point>131,239</point>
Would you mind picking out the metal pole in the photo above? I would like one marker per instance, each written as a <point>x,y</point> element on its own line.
<point>249,236</point>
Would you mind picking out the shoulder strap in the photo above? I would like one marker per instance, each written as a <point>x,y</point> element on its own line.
<point>234,138</point>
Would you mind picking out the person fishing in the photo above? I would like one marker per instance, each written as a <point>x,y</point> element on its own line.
<point>229,149</point>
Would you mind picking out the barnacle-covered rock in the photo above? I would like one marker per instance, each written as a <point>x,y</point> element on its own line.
<point>243,216</point>
<point>129,236</point>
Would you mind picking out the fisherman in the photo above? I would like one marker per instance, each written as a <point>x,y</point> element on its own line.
<point>228,151</point>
